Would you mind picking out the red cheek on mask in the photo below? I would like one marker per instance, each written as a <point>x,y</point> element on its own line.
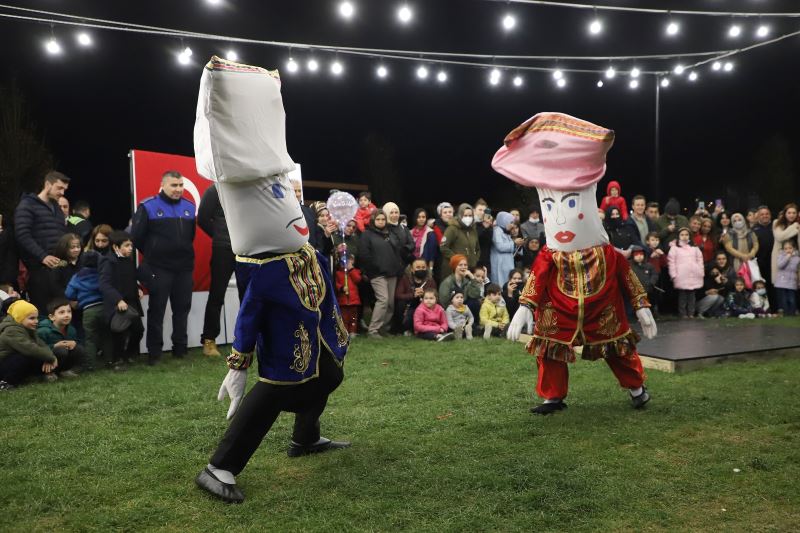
<point>544,219</point>
<point>580,216</point>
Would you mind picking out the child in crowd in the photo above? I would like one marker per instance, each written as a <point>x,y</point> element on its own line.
<point>85,288</point>
<point>459,317</point>
<point>658,260</point>
<point>759,299</point>
<point>786,280</point>
<point>738,301</point>
<point>68,250</point>
<point>7,297</point>
<point>118,283</point>
<point>365,210</point>
<point>494,316</point>
<point>686,270</point>
<point>347,280</point>
<point>60,335</point>
<point>480,275</point>
<point>22,353</point>
<point>645,271</point>
<point>613,198</point>
<point>430,322</point>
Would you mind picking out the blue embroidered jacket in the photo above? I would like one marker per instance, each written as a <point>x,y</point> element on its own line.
<point>288,315</point>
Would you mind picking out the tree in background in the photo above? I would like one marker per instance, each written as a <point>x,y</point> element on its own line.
<point>773,177</point>
<point>379,170</point>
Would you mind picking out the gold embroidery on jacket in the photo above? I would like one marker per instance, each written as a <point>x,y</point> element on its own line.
<point>306,277</point>
<point>302,351</point>
<point>529,292</point>
<point>638,294</point>
<point>547,323</point>
<point>342,337</point>
<point>609,324</point>
<point>581,273</point>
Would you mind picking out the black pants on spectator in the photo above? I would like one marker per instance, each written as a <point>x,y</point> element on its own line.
<point>39,283</point>
<point>70,359</point>
<point>16,368</point>
<point>175,286</point>
<point>125,344</point>
<point>261,407</point>
<point>223,263</point>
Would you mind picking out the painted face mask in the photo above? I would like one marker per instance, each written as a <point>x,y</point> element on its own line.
<point>570,219</point>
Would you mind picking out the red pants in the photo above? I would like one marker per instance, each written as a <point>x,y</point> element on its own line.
<point>553,381</point>
<point>350,317</point>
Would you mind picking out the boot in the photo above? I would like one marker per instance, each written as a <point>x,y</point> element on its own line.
<point>210,348</point>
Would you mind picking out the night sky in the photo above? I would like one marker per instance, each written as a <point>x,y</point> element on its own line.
<point>128,91</point>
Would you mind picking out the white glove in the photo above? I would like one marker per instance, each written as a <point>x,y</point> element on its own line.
<point>519,321</point>
<point>648,322</point>
<point>233,385</point>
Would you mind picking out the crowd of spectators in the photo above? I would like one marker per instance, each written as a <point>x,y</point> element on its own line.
<point>71,291</point>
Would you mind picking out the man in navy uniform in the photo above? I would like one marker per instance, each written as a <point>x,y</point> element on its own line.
<point>163,230</point>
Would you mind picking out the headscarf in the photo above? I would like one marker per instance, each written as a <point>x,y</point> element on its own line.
<point>21,309</point>
<point>388,206</point>
<point>460,214</point>
<point>504,218</point>
<point>613,223</point>
<point>442,206</point>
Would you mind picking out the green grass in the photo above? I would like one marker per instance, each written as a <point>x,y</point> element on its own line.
<point>442,441</point>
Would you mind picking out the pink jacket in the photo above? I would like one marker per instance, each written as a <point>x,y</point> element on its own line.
<point>686,267</point>
<point>429,320</point>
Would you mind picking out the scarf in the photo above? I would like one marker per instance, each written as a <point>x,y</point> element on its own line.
<point>420,236</point>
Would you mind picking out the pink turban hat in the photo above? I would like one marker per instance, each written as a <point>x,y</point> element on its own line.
<point>555,151</point>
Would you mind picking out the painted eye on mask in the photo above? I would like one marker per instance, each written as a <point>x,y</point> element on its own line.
<point>571,202</point>
<point>277,190</point>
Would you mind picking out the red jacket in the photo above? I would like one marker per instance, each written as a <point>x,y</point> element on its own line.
<point>362,216</point>
<point>429,320</point>
<point>615,201</point>
<point>707,248</point>
<point>577,299</point>
<point>352,297</point>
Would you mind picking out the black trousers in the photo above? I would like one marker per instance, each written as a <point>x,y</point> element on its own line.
<point>261,407</point>
<point>223,263</point>
<point>175,287</point>
<point>16,368</point>
<point>125,344</point>
<point>70,359</point>
<point>39,282</point>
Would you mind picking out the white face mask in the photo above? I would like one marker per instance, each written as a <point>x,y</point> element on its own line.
<point>467,221</point>
<point>738,223</point>
<point>761,292</point>
<point>570,219</point>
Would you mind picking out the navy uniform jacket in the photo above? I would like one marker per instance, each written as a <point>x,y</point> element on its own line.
<point>163,230</point>
<point>288,314</point>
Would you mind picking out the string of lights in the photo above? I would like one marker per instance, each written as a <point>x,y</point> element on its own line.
<point>497,65</point>
<point>628,9</point>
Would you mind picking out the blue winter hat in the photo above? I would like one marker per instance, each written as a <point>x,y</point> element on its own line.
<point>504,218</point>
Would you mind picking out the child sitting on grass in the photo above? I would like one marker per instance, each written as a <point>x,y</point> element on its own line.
<point>430,322</point>
<point>459,317</point>
<point>738,301</point>
<point>759,300</point>
<point>494,317</point>
<point>347,294</point>
<point>22,353</point>
<point>62,338</point>
<point>84,287</point>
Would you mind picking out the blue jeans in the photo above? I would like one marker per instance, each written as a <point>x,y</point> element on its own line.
<point>787,300</point>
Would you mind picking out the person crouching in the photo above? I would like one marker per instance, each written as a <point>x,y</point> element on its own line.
<point>22,353</point>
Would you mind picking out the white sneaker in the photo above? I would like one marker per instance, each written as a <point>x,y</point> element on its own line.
<point>441,337</point>
<point>487,332</point>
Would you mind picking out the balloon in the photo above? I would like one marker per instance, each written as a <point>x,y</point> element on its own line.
<point>342,206</point>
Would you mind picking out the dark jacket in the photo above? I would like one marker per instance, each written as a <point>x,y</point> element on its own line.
<point>118,281</point>
<point>37,228</point>
<point>79,226</point>
<point>404,292</point>
<point>630,222</point>
<point>16,338</point>
<point>726,285</point>
<point>406,249</point>
<point>50,334</point>
<point>163,230</point>
<point>647,275</point>
<point>380,253</point>
<point>211,219</point>
<point>621,235</point>
<point>9,260</point>
<point>485,242</point>
<point>85,288</point>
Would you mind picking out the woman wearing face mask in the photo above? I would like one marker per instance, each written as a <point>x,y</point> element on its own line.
<point>621,235</point>
<point>380,261</point>
<point>410,288</point>
<point>686,270</point>
<point>740,243</point>
<point>502,253</point>
<point>461,238</point>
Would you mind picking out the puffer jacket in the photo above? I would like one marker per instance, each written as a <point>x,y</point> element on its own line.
<point>459,239</point>
<point>37,228</point>
<point>614,201</point>
<point>85,288</point>
<point>786,277</point>
<point>50,334</point>
<point>16,338</point>
<point>686,267</point>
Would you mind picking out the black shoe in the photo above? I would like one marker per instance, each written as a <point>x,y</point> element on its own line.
<point>179,352</point>
<point>298,450</point>
<point>639,401</point>
<point>207,481</point>
<point>548,408</point>
<point>153,359</point>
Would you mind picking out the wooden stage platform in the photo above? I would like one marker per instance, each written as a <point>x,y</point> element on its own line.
<point>685,345</point>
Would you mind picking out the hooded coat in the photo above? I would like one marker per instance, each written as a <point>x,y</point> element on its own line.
<point>502,254</point>
<point>614,201</point>
<point>459,239</point>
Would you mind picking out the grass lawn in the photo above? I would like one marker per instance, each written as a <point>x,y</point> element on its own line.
<point>442,441</point>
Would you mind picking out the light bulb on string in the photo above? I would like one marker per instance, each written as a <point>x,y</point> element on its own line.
<point>734,31</point>
<point>381,71</point>
<point>337,68</point>
<point>187,52</point>
<point>518,81</point>
<point>693,76</point>
<point>184,59</point>
<point>728,66</point>
<point>231,55</point>
<point>214,2</point>
<point>312,65</point>
<point>509,22</point>
<point>673,28</point>
<point>635,72</point>
<point>595,27</point>
<point>422,72</point>
<point>347,10</point>
<point>53,47</point>
<point>84,39</point>
<point>600,83</point>
<point>494,76</point>
<point>610,73</point>
<point>292,65</point>
<point>404,14</point>
<point>441,77</point>
<point>762,31</point>
<point>557,74</point>
<point>665,82</point>
<point>561,83</point>
<point>716,65</point>
<point>678,70</point>
<point>633,84</point>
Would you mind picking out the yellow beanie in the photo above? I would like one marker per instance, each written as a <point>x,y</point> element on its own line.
<point>21,309</point>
